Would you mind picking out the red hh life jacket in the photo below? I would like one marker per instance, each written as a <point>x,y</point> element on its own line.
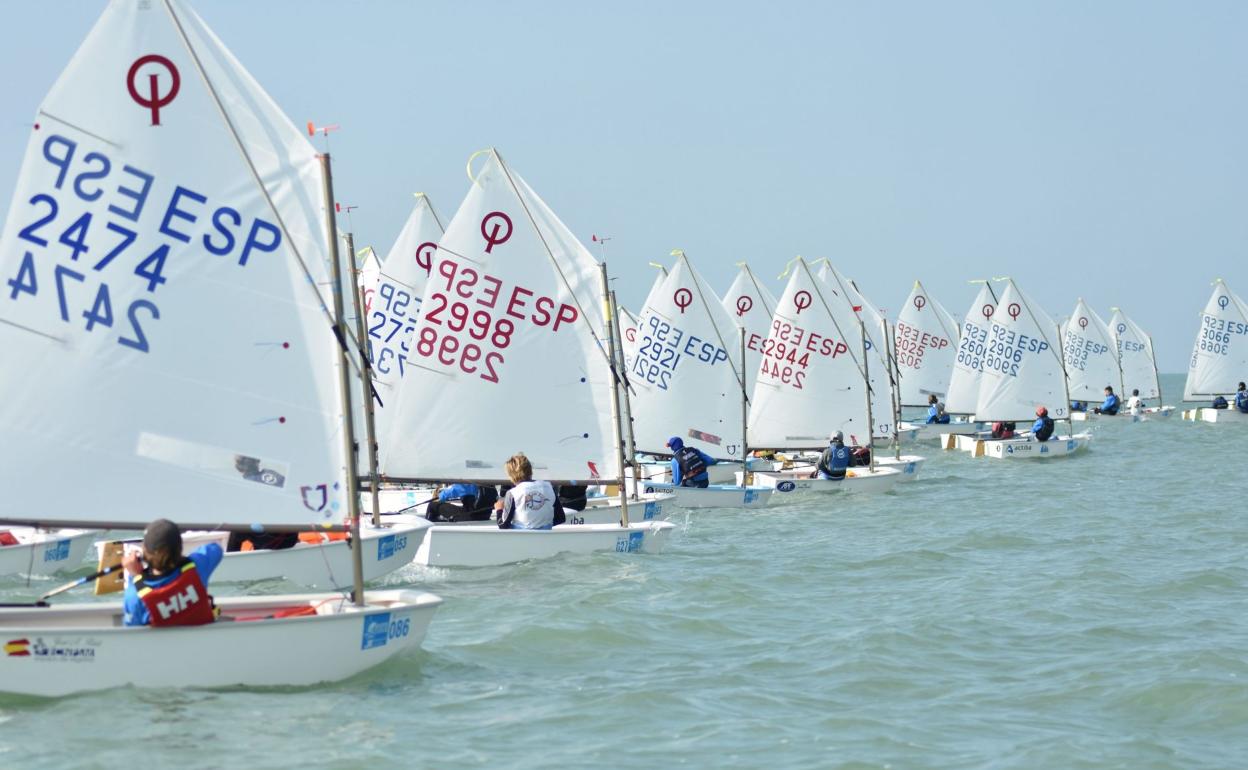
<point>183,601</point>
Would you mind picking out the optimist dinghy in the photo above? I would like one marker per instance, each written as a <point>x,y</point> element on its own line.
<point>1138,363</point>
<point>1219,357</point>
<point>688,381</point>
<point>1023,370</point>
<point>166,240</point>
<point>968,369</point>
<point>512,350</point>
<point>813,381</point>
<point>925,346</point>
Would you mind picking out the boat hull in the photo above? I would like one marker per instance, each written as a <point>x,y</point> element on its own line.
<point>319,565</point>
<point>908,465</point>
<point>67,649</point>
<point>716,496</point>
<point>45,552</point>
<point>1209,414</point>
<point>797,482</point>
<point>468,545</point>
<point>1030,449</point>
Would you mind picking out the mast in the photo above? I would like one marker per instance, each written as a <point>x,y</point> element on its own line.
<point>866,380</point>
<point>1161,401</point>
<point>344,387</point>
<point>615,395</point>
<point>628,406</point>
<point>366,381</point>
<point>1070,425</point>
<point>891,343</point>
<point>745,416</point>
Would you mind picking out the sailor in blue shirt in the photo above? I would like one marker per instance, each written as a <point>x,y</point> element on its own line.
<point>834,461</point>
<point>1111,403</point>
<point>162,548</point>
<point>1241,398</point>
<point>936,411</point>
<point>689,464</point>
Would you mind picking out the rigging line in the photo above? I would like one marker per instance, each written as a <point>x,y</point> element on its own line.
<point>436,219</point>
<point>533,221</point>
<point>771,311</point>
<point>242,149</point>
<point>697,284</point>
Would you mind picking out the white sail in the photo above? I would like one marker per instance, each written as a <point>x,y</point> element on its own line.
<point>811,383</point>
<point>1022,365</point>
<point>968,364</point>
<point>752,306</point>
<point>1135,357</point>
<point>926,347</point>
<point>393,304</point>
<point>1091,355</point>
<point>686,370</point>
<point>164,342</point>
<point>629,326</point>
<point>1220,356</point>
<point>632,343</point>
<point>877,360</point>
<point>508,353</point>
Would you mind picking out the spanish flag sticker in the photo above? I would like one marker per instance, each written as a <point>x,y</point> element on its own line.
<point>17,647</point>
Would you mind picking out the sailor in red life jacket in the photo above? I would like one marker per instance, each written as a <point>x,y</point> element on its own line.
<point>529,504</point>
<point>173,590</point>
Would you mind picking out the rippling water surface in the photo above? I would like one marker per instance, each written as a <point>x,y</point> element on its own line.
<point>1080,613</point>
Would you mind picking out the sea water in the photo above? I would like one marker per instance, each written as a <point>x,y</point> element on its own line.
<point>1089,612</point>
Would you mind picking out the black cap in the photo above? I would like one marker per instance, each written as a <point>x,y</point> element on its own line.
<point>162,535</point>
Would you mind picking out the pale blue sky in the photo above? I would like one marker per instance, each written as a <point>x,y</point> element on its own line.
<point>1087,149</point>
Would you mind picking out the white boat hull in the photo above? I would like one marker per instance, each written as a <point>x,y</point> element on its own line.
<point>318,565</point>
<point>45,552</point>
<point>1209,414</point>
<point>469,545</point>
<point>1029,449</point>
<point>66,649</point>
<point>908,465</point>
<point>607,510</point>
<point>797,481</point>
<point>721,496</point>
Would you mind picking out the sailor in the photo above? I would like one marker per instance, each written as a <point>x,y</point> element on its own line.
<point>936,411</point>
<point>689,464</point>
<point>1078,406</point>
<point>1241,398</point>
<point>462,502</point>
<point>1135,404</point>
<point>573,496</point>
<point>1110,405</point>
<point>835,459</point>
<point>173,589</point>
<point>1003,429</point>
<point>529,504</point>
<point>1042,428</point>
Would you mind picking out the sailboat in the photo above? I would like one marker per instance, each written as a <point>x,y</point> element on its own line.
<point>925,348</point>
<point>880,366</point>
<point>1023,370</point>
<point>1091,360</point>
<point>1219,356</point>
<point>394,303</point>
<point>688,382</point>
<point>1138,363</point>
<point>968,371</point>
<point>166,345</point>
<point>511,352</point>
<point>812,383</point>
<point>752,306</point>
